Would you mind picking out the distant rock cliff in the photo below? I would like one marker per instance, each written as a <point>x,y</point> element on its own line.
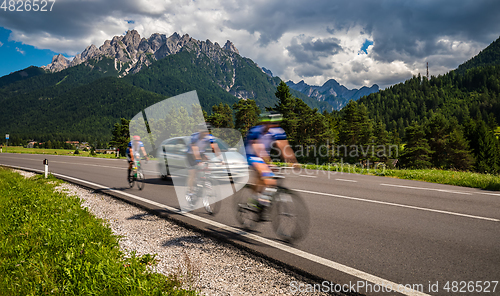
<point>132,53</point>
<point>332,92</point>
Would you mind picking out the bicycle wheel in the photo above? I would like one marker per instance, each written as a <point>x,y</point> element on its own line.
<point>140,179</point>
<point>131,179</point>
<point>210,194</point>
<point>247,214</point>
<point>290,217</point>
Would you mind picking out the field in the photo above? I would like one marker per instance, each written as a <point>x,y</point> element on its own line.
<point>20,149</point>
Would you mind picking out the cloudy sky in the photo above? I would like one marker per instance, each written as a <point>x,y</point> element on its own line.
<point>356,42</point>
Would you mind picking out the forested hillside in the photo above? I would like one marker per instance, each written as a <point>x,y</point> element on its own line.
<point>490,56</point>
<point>85,112</point>
<point>85,100</point>
<point>476,93</point>
<point>215,82</point>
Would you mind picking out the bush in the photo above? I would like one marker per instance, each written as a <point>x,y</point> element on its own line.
<point>76,151</point>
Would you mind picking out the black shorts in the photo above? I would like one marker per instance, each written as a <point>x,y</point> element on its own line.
<point>191,160</point>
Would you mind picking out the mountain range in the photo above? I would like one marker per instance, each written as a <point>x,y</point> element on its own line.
<point>122,77</point>
<point>332,92</point>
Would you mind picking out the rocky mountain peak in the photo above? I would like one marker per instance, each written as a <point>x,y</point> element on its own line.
<point>59,62</point>
<point>132,39</point>
<point>132,53</point>
<point>332,92</point>
<point>229,46</point>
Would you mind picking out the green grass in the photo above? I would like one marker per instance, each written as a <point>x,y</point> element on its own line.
<point>20,149</point>
<point>50,245</point>
<point>457,178</point>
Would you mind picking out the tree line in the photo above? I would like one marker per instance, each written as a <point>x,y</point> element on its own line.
<point>354,135</point>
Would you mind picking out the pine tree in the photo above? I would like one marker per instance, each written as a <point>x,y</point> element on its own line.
<point>247,115</point>
<point>286,106</point>
<point>222,116</point>
<point>355,130</point>
<point>438,130</point>
<point>459,154</point>
<point>487,154</point>
<point>121,135</point>
<point>416,153</point>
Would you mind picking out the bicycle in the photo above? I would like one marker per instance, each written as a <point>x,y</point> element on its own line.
<point>287,210</point>
<point>206,187</point>
<point>137,174</point>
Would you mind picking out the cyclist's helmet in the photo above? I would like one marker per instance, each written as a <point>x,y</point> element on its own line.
<point>270,117</point>
<point>137,138</point>
<point>204,126</point>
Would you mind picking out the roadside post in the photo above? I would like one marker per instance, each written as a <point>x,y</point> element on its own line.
<point>7,138</point>
<point>46,163</point>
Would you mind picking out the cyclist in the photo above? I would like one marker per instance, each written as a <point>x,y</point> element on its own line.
<point>258,143</point>
<point>200,141</point>
<point>133,150</point>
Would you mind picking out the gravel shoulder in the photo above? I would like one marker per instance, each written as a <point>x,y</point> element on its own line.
<point>210,266</point>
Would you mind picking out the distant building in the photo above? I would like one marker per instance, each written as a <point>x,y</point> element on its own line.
<point>31,144</point>
<point>106,151</point>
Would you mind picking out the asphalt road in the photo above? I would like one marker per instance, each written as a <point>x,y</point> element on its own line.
<point>363,228</point>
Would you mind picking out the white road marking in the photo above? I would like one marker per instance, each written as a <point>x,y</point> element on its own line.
<point>346,180</point>
<point>309,176</point>
<point>424,188</point>
<point>399,205</point>
<point>487,193</point>
<point>320,260</point>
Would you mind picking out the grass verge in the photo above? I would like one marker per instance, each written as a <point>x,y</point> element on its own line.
<point>457,178</point>
<point>51,245</point>
<point>20,149</point>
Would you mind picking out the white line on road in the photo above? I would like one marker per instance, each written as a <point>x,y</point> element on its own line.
<point>399,205</point>
<point>320,260</point>
<point>97,165</point>
<point>346,180</point>
<point>309,176</point>
<point>424,188</point>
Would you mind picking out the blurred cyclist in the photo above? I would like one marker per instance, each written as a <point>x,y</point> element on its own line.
<point>200,141</point>
<point>258,143</point>
<point>133,150</point>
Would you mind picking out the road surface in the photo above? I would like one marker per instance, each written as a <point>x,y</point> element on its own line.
<point>367,231</point>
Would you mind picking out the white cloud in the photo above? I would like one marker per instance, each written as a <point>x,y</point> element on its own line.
<point>1,44</point>
<point>291,39</point>
<point>20,51</point>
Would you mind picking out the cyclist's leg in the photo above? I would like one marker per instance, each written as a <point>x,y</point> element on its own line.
<point>265,177</point>
<point>130,162</point>
<point>191,172</point>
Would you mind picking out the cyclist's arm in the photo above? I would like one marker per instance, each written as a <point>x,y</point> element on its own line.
<point>196,152</point>
<point>144,151</point>
<point>287,153</point>
<point>215,149</point>
<point>131,151</point>
<point>260,151</point>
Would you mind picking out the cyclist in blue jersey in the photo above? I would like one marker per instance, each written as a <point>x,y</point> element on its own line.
<point>258,143</point>
<point>133,150</point>
<point>199,143</point>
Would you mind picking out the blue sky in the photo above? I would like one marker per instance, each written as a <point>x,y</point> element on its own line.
<point>18,56</point>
